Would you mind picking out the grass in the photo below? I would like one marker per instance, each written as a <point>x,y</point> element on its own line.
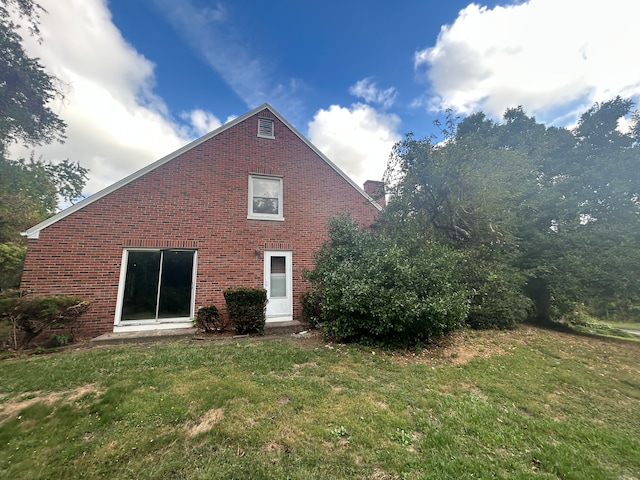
<point>584,323</point>
<point>528,403</point>
<point>622,324</point>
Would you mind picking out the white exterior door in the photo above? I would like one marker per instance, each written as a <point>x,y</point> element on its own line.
<point>277,282</point>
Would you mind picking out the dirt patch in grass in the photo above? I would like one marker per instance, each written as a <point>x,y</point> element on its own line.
<point>209,419</point>
<point>273,446</point>
<point>473,390</point>
<point>298,366</point>
<point>11,408</point>
<point>379,474</point>
<point>462,347</point>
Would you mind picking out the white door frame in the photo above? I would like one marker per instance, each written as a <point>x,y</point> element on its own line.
<point>279,309</point>
<point>151,324</point>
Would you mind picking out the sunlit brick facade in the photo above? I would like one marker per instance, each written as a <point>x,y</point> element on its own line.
<point>195,200</point>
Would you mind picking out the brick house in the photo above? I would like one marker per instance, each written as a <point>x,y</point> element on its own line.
<point>245,205</point>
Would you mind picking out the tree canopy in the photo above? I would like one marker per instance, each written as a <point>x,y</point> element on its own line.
<point>560,206</point>
<point>30,190</point>
<point>26,89</point>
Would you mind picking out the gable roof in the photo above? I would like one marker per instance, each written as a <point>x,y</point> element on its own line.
<point>34,231</point>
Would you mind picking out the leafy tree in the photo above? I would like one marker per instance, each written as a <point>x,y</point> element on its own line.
<point>497,295</point>
<point>583,231</point>
<point>11,261</point>
<point>26,89</point>
<point>461,193</point>
<point>458,191</point>
<point>553,208</point>
<point>30,191</point>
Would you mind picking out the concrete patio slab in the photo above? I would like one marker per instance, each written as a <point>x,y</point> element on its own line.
<point>144,336</point>
<point>271,328</point>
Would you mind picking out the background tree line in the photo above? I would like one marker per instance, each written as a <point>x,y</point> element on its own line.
<point>535,221</point>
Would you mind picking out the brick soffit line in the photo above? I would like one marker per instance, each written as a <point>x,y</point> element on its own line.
<point>34,232</point>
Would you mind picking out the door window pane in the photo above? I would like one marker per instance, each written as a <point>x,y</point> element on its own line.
<point>175,286</point>
<point>278,277</point>
<point>278,265</point>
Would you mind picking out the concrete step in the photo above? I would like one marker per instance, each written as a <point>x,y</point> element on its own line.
<point>280,328</point>
<point>143,336</point>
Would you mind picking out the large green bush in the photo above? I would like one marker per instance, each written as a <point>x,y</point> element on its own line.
<point>312,307</point>
<point>498,299</point>
<point>375,291</point>
<point>246,308</point>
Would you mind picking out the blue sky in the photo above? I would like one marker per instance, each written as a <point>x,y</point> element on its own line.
<point>144,77</point>
<point>298,56</point>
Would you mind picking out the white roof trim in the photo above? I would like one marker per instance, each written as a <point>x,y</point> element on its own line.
<point>34,232</point>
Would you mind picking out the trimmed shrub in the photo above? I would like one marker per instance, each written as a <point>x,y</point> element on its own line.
<point>246,308</point>
<point>377,291</point>
<point>209,319</point>
<point>34,315</point>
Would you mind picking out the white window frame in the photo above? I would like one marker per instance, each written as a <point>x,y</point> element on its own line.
<point>265,216</point>
<point>266,128</point>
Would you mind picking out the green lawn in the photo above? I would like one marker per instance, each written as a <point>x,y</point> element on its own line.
<point>522,404</point>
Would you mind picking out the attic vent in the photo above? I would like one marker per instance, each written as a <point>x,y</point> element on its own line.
<point>265,128</point>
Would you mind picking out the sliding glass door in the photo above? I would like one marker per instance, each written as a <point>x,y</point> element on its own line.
<point>158,285</point>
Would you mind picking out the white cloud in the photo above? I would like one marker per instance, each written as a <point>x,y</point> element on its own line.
<point>116,125</point>
<point>211,33</point>
<point>370,93</point>
<point>357,139</point>
<point>541,54</point>
<point>201,121</point>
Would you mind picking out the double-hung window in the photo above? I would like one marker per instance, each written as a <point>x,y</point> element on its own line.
<point>265,197</point>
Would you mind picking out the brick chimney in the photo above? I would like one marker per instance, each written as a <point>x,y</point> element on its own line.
<point>375,189</point>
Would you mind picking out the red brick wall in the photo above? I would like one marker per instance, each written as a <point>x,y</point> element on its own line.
<point>197,200</point>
